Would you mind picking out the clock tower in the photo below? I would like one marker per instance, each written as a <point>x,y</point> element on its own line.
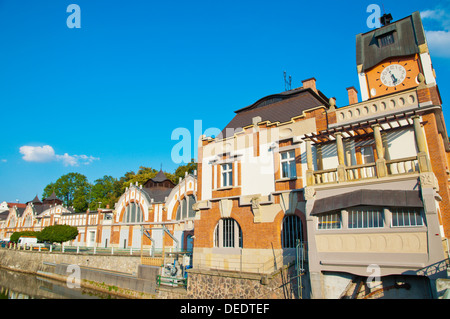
<point>390,59</point>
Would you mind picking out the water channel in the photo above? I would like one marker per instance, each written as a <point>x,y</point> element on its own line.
<point>16,285</point>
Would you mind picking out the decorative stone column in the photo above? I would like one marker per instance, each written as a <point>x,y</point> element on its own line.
<point>341,174</point>
<point>422,156</point>
<point>309,162</point>
<point>381,162</point>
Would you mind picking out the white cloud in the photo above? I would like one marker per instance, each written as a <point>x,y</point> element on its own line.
<point>39,154</point>
<point>437,26</point>
<point>4,160</point>
<point>439,43</point>
<point>46,153</point>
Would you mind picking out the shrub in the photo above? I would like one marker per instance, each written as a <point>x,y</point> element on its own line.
<point>58,233</point>
<point>16,235</point>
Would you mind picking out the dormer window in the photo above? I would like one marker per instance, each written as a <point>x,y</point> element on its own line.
<point>386,39</point>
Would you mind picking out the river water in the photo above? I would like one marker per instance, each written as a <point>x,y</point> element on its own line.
<point>16,285</point>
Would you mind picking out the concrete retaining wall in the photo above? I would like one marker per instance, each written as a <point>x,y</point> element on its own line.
<point>34,261</point>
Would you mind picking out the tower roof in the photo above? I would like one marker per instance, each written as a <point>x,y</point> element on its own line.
<point>160,177</point>
<point>35,201</point>
<point>407,38</point>
<point>52,197</point>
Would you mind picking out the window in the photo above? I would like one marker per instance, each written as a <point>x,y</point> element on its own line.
<point>28,221</point>
<point>133,213</point>
<point>227,174</point>
<point>406,217</point>
<point>185,208</point>
<point>386,39</point>
<point>367,155</point>
<point>365,218</point>
<point>329,221</point>
<point>228,234</point>
<point>288,164</point>
<point>191,202</point>
<point>291,231</point>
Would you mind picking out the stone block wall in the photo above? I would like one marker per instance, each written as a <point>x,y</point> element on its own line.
<point>203,284</point>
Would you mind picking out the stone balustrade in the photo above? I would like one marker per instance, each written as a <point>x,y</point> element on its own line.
<point>377,107</point>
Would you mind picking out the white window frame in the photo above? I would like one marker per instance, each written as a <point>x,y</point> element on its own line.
<point>328,220</point>
<point>365,218</point>
<point>290,162</point>
<point>406,219</point>
<point>226,174</point>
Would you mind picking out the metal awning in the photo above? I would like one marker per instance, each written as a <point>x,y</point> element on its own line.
<point>368,197</point>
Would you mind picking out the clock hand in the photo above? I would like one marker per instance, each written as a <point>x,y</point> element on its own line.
<point>394,79</point>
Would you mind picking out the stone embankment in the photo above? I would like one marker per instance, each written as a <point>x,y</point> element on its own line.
<point>120,275</point>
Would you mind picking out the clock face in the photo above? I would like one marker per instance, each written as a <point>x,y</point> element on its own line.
<point>393,75</point>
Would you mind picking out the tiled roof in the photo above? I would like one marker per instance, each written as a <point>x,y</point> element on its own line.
<point>280,107</point>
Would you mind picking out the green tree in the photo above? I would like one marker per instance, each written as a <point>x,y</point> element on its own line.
<point>58,233</point>
<point>73,189</point>
<point>104,191</point>
<point>182,169</point>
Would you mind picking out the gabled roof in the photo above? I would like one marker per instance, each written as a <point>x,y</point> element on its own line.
<point>4,215</point>
<point>157,194</point>
<point>281,107</point>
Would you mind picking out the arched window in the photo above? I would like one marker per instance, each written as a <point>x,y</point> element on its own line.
<point>185,209</point>
<point>28,221</point>
<point>228,234</point>
<point>191,212</point>
<point>133,213</point>
<point>291,231</point>
<point>12,221</point>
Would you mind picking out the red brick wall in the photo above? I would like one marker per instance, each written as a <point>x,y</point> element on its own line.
<point>254,235</point>
<point>438,158</point>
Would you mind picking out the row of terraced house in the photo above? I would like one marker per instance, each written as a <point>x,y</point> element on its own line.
<point>351,186</point>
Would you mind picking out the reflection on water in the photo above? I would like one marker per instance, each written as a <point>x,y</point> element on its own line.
<point>15,285</point>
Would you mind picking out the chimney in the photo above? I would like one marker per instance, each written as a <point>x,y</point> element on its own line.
<point>310,83</point>
<point>352,95</point>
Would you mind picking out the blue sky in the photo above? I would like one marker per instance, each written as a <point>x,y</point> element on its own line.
<point>105,98</point>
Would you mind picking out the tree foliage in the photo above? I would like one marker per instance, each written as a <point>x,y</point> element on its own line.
<point>58,233</point>
<point>75,190</point>
<point>183,169</point>
<point>16,235</point>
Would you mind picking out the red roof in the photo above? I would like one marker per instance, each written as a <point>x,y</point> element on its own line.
<point>19,205</point>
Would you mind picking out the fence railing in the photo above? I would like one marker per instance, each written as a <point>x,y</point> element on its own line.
<point>130,251</point>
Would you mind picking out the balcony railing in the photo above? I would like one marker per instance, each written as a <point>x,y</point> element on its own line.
<point>325,176</point>
<point>363,171</point>
<point>403,166</point>
<point>377,107</point>
<point>408,165</point>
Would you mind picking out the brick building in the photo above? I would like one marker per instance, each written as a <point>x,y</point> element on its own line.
<point>359,185</point>
<point>142,209</point>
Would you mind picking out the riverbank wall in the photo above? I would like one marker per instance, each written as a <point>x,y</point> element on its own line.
<point>123,276</point>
